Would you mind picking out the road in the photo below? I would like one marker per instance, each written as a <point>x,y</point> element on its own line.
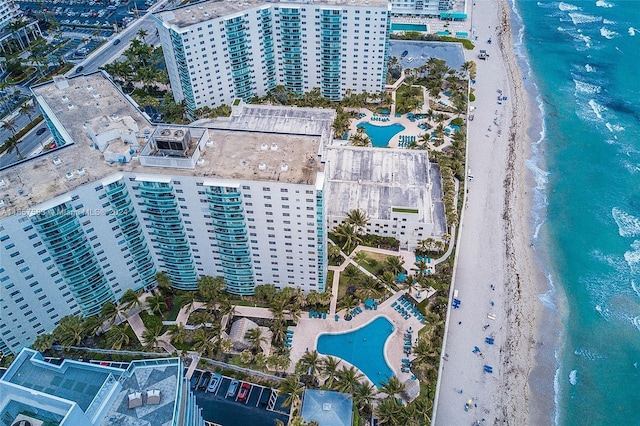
<point>31,142</point>
<point>109,53</point>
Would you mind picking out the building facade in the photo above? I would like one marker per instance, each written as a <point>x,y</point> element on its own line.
<point>444,9</point>
<point>122,200</point>
<point>9,10</point>
<point>219,51</point>
<point>149,392</point>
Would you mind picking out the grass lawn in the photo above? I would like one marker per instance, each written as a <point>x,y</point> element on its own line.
<point>178,302</point>
<point>342,286</point>
<point>374,262</point>
<point>329,282</point>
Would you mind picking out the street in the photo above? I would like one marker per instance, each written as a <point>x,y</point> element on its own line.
<point>30,142</point>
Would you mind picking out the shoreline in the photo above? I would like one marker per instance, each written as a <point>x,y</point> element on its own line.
<point>498,275</point>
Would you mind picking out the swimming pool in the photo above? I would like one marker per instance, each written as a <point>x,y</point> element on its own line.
<point>381,135</point>
<point>409,27</point>
<point>362,347</point>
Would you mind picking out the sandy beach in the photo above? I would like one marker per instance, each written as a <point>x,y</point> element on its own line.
<point>496,276</point>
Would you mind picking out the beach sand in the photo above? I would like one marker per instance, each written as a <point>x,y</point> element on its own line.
<point>496,274</point>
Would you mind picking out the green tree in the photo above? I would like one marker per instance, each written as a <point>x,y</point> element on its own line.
<point>329,368</point>
<point>157,304</point>
<point>309,364</point>
<point>348,234</point>
<point>69,331</point>
<point>392,387</point>
<point>291,387</point>
<point>347,380</point>
<point>359,219</point>
<point>255,338</point>
<point>347,303</point>
<point>10,145</point>
<point>92,325</point>
<point>178,333</point>
<point>363,397</point>
<point>117,336</point>
<point>43,342</point>
<point>394,264</point>
<point>130,300</point>
<point>142,34</point>
<point>151,337</point>
<point>202,342</point>
<point>164,282</point>
<point>391,412</point>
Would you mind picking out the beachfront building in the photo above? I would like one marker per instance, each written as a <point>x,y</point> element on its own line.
<point>149,392</point>
<point>443,9</point>
<point>397,188</point>
<point>9,10</point>
<point>15,28</point>
<point>218,51</point>
<point>121,200</point>
<point>327,408</point>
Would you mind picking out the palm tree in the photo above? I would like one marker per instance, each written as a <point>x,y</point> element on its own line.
<point>11,144</point>
<point>347,233</point>
<point>202,342</point>
<point>210,288</point>
<point>359,219</point>
<point>392,387</point>
<point>279,331</point>
<point>324,298</point>
<point>130,300</point>
<point>260,361</point>
<point>299,298</point>
<point>277,307</point>
<point>347,303</point>
<point>178,333</point>
<point>111,312</point>
<point>394,264</point>
<point>351,274</point>
<point>226,345</point>
<point>255,337</point>
<point>363,397</point>
<point>388,278</point>
<point>246,357</point>
<point>309,364</point>
<point>142,34</point>
<point>347,379</point>
<point>157,304</point>
<point>9,124</point>
<point>391,412</point>
<point>334,253</point>
<point>292,387</point>
<point>92,325</point>
<point>151,337</point>
<point>26,109</point>
<point>425,354</point>
<point>370,288</point>
<point>421,409</point>
<point>43,342</point>
<point>117,336</point>
<point>329,369</point>
<point>164,281</point>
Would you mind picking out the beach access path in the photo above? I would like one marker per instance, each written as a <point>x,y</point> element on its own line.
<point>492,276</point>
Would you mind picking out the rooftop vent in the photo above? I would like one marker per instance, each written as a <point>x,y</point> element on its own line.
<point>57,161</point>
<point>165,132</point>
<point>114,116</point>
<point>2,183</point>
<point>96,95</point>
<point>1,204</point>
<point>326,406</point>
<point>200,7</point>
<point>274,147</point>
<point>193,17</point>
<point>81,171</point>
<point>187,10</point>
<point>262,166</point>
<point>264,146</point>
<point>70,106</point>
<point>284,167</point>
<point>65,98</point>
<point>89,87</point>
<point>179,133</point>
<point>206,13</point>
<point>69,175</point>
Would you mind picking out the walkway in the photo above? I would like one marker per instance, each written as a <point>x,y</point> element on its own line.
<point>138,328</point>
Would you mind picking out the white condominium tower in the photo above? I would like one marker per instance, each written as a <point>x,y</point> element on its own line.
<point>121,200</point>
<point>218,51</point>
<point>8,11</point>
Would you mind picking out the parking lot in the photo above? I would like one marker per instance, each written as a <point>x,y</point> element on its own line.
<point>222,408</point>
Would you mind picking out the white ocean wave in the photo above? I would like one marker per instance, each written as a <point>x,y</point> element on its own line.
<point>608,22</point>
<point>614,128</point>
<point>632,31</point>
<point>583,87</point>
<point>581,18</point>
<point>635,288</point>
<point>602,3</point>
<point>589,68</point>
<point>636,322</point>
<point>628,225</point>
<point>584,38</point>
<point>607,33</point>
<point>567,6</point>
<point>597,108</point>
<point>633,256</point>
<point>587,354</point>
<point>573,377</point>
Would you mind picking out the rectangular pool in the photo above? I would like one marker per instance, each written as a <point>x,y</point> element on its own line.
<point>409,27</point>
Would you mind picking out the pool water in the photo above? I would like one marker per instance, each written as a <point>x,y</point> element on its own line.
<point>362,347</point>
<point>381,135</point>
<point>409,27</point>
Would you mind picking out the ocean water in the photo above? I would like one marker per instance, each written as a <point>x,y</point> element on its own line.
<point>581,61</point>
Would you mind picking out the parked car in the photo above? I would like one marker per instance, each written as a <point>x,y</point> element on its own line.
<point>233,388</point>
<point>244,392</point>
<point>79,69</point>
<point>116,42</point>
<point>405,53</point>
<point>41,131</point>
<point>214,383</point>
<point>204,380</point>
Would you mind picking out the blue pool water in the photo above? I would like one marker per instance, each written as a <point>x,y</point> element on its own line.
<point>408,27</point>
<point>381,135</point>
<point>363,347</point>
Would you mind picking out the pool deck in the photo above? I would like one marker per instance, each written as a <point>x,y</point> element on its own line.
<point>308,329</point>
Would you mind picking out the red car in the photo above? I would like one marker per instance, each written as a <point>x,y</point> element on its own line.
<point>244,392</point>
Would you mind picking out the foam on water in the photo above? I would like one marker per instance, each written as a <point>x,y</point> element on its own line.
<point>581,18</point>
<point>573,377</point>
<point>607,33</point>
<point>633,256</point>
<point>614,128</point>
<point>628,225</point>
<point>589,68</point>
<point>597,108</point>
<point>602,3</point>
<point>608,21</point>
<point>548,298</point>
<point>567,6</point>
<point>632,31</point>
<point>587,354</point>
<point>584,87</point>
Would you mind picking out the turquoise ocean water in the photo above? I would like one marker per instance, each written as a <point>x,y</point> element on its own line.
<point>581,61</point>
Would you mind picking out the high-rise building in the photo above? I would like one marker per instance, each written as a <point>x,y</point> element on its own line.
<point>218,51</point>
<point>9,10</point>
<point>149,392</point>
<point>121,200</point>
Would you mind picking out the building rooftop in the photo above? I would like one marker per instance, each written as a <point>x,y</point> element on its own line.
<point>199,12</point>
<point>375,180</point>
<point>144,377</point>
<point>327,408</point>
<point>263,150</point>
